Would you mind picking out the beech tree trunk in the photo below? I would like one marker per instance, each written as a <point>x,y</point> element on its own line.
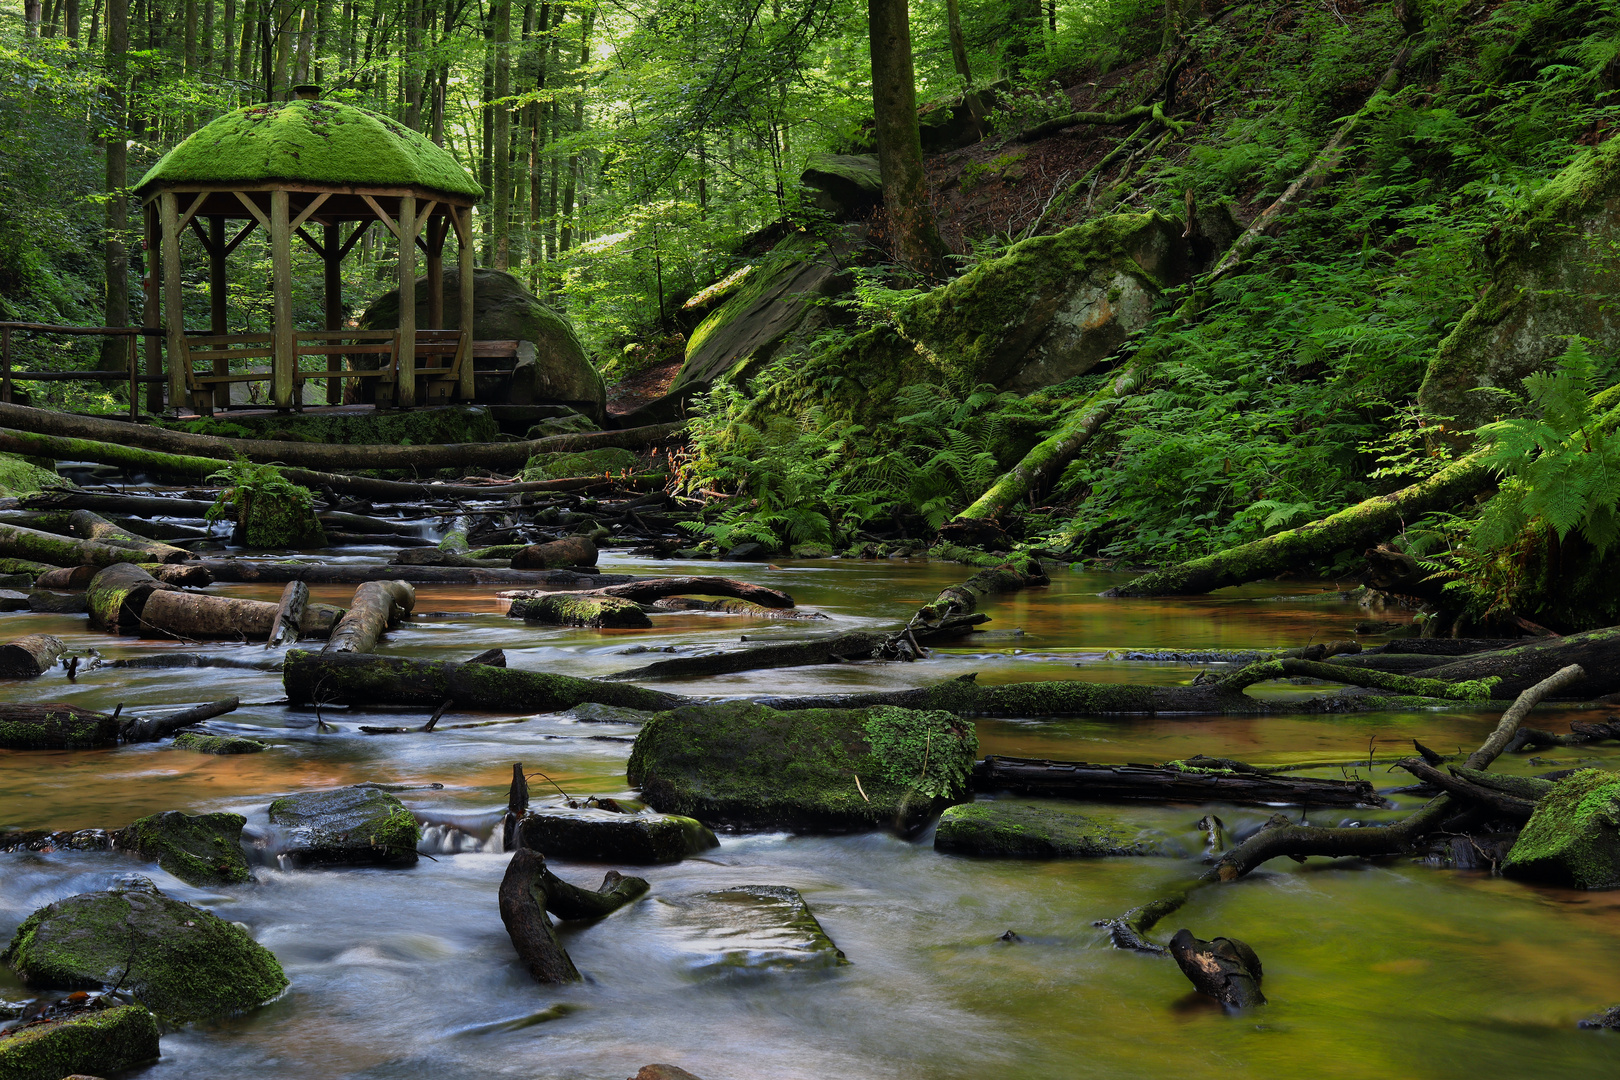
<point>900,160</point>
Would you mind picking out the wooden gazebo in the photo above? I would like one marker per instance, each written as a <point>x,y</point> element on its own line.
<point>285,167</point>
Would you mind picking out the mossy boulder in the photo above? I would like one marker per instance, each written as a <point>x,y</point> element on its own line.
<point>315,141</point>
<point>201,850</point>
<point>217,744</point>
<point>103,1041</point>
<point>180,961</point>
<point>19,476</point>
<point>269,519</point>
<point>552,366</point>
<point>611,459</point>
<point>1573,838</point>
<point>745,766</point>
<point>844,185</point>
<point>773,308</point>
<point>595,835</point>
<point>749,928</point>
<point>1555,273</point>
<point>1017,830</point>
<point>350,826</point>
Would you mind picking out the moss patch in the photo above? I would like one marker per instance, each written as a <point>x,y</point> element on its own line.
<point>217,744</point>
<point>1573,838</point>
<point>326,142</point>
<point>201,850</point>
<point>178,960</point>
<point>1018,830</point>
<point>814,770</point>
<point>20,477</point>
<point>585,463</point>
<point>106,1041</point>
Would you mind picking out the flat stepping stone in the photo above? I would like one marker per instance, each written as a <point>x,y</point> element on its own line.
<point>1020,830</point>
<point>750,928</point>
<point>593,835</point>
<point>352,826</point>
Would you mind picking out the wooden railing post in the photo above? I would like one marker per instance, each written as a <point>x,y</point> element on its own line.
<point>134,377</point>
<point>5,360</point>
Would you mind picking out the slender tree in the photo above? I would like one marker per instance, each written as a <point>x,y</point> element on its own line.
<point>115,253</point>
<point>894,108</point>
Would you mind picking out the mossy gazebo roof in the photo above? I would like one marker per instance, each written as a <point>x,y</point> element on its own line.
<point>311,142</point>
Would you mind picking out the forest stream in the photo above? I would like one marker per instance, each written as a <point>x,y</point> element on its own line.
<point>1372,968</point>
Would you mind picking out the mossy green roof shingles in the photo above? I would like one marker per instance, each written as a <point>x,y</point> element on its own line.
<point>312,142</point>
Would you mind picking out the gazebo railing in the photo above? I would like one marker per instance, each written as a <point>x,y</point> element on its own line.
<point>219,351</point>
<point>131,372</point>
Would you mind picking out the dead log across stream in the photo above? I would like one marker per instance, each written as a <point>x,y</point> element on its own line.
<point>189,616</point>
<point>1165,783</point>
<point>278,572</point>
<point>17,542</point>
<point>857,645</point>
<point>61,726</point>
<point>378,606</point>
<point>92,526</point>
<point>646,590</point>
<point>29,657</point>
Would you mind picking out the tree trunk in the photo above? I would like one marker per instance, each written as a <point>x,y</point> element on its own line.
<point>369,680</point>
<point>115,253</point>
<point>54,726</point>
<point>289,613</point>
<point>191,616</point>
<point>21,543</point>
<point>377,606</point>
<point>278,573</point>
<point>646,590</point>
<point>501,178</point>
<point>1081,780</point>
<point>894,106</point>
<point>152,728</point>
<point>29,657</point>
<point>857,645</point>
<point>92,526</point>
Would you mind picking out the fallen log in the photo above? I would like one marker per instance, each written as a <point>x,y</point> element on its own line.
<point>569,551</point>
<point>92,526</point>
<point>1165,783</point>
<point>278,572</point>
<point>60,726</point>
<point>36,546</point>
<point>152,728</point>
<point>504,456</point>
<point>646,590</point>
<point>30,657</point>
<point>289,612</point>
<point>117,595</point>
<point>378,606</point>
<point>361,679</point>
<point>590,609</point>
<point>963,599</point>
<point>1224,969</point>
<point>67,577</point>
<point>105,502</point>
<point>857,645</point>
<point>1499,803</point>
<point>189,616</point>
<point>743,608</point>
<point>33,568</point>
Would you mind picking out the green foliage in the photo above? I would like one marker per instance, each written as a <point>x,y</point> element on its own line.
<point>270,511</point>
<point>931,752</point>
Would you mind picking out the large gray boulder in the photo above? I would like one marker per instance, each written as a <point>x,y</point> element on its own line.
<point>552,367</point>
<point>352,826</point>
<point>1556,273</point>
<point>179,961</point>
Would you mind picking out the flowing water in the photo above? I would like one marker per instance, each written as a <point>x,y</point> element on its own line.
<point>1386,969</point>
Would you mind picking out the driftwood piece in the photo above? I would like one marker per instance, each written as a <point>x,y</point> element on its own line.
<point>857,645</point>
<point>569,551</point>
<point>92,526</point>
<point>362,679</point>
<point>252,571</point>
<point>1224,969</point>
<point>152,728</point>
<point>377,606</point>
<point>1165,783</point>
<point>1500,803</point>
<point>29,657</point>
<point>289,613</point>
<point>522,901</point>
<point>646,590</point>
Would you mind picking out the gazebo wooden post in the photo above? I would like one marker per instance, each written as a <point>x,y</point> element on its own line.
<point>434,234</point>
<point>284,359</point>
<point>332,263</point>
<point>216,288</point>
<point>152,309</point>
<point>462,218</point>
<point>173,297</point>
<point>406,391</point>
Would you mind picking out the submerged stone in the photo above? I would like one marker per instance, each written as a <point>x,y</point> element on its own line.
<point>1018,830</point>
<point>217,744</point>
<point>751,928</point>
<point>178,960</point>
<point>603,836</point>
<point>1573,837</point>
<point>742,765</point>
<point>201,850</point>
<point>352,826</point>
<point>102,1041</point>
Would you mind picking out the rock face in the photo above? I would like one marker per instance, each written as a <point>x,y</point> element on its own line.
<point>352,826</point>
<point>179,961</point>
<point>553,369</point>
<point>745,766</point>
<point>603,836</point>
<point>1555,274</point>
<point>1573,838</point>
<point>201,850</point>
<point>104,1041</point>
<point>772,308</point>
<point>1015,830</point>
<point>751,928</point>
<point>844,185</point>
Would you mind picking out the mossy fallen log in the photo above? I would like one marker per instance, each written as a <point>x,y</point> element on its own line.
<point>116,596</point>
<point>1165,783</point>
<point>569,551</point>
<point>190,616</point>
<point>362,679</point>
<point>646,590</point>
<point>35,546</point>
<point>60,726</point>
<point>278,572</point>
<point>857,645</point>
<point>92,526</point>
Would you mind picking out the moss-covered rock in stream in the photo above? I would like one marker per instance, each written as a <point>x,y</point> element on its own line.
<point>413,427</point>
<point>18,476</point>
<point>1573,838</point>
<point>178,960</point>
<point>610,459</point>
<point>217,744</point>
<point>102,1041</point>
<point>350,826</point>
<point>745,766</point>
<point>1018,830</point>
<point>595,835</point>
<point>274,520</point>
<point>748,928</point>
<point>1556,271</point>
<point>201,850</point>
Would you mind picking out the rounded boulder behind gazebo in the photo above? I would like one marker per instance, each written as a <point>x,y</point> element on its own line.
<point>282,167</point>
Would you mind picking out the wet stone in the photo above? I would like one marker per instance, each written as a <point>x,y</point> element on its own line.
<point>751,928</point>
<point>99,1041</point>
<point>607,714</point>
<point>180,961</point>
<point>201,850</point>
<point>217,744</point>
<point>1020,830</point>
<point>352,826</point>
<point>593,835</point>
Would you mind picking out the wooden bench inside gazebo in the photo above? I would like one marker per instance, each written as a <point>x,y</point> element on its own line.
<point>293,169</point>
